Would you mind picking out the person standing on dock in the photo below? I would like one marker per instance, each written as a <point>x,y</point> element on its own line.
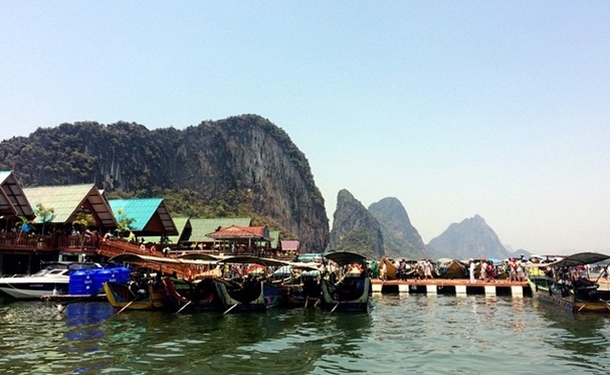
<point>483,270</point>
<point>471,268</point>
<point>428,269</point>
<point>383,271</point>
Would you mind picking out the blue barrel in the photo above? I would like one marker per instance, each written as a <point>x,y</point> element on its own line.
<point>89,282</point>
<point>76,284</point>
<point>100,276</point>
<point>124,275</point>
<point>115,275</point>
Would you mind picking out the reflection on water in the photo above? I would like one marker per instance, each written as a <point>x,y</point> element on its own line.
<point>403,334</point>
<point>584,337</point>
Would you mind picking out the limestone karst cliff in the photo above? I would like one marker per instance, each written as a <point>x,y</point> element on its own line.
<point>354,228</point>
<point>243,160</point>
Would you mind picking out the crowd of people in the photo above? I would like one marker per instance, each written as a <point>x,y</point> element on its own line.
<point>482,270</point>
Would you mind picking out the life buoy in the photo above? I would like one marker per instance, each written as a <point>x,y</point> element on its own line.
<point>153,249</point>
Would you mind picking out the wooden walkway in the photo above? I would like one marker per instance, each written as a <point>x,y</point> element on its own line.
<point>457,287</point>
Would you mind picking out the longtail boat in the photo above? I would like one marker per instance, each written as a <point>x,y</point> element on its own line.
<point>352,292</point>
<point>301,287</point>
<point>564,287</point>
<point>248,291</point>
<point>147,295</point>
<point>452,269</point>
<point>198,296</point>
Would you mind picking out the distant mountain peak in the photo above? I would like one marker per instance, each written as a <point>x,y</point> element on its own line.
<point>400,238</point>
<point>471,238</point>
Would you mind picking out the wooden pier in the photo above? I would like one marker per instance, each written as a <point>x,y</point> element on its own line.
<point>457,287</point>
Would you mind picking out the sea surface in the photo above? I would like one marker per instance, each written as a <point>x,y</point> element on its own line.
<point>412,334</point>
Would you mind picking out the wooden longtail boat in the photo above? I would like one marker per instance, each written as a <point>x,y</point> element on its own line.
<point>249,292</point>
<point>301,288</point>
<point>565,292</point>
<point>390,269</point>
<point>198,296</point>
<point>353,291</point>
<point>150,296</point>
<point>452,269</point>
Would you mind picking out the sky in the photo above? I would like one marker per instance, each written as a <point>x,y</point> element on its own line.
<point>457,108</point>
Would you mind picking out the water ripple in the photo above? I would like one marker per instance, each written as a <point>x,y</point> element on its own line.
<point>414,334</point>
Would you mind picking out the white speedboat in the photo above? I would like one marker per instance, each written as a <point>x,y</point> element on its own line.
<point>54,278</point>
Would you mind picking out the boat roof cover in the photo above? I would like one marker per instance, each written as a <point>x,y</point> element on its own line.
<point>579,259</point>
<point>248,259</point>
<point>345,257</point>
<point>132,257</point>
<point>199,256</point>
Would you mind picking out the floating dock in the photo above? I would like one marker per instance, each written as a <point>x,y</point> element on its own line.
<point>457,287</point>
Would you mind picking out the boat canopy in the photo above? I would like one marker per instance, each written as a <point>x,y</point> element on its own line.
<point>248,259</point>
<point>578,260</point>
<point>131,257</point>
<point>345,257</point>
<point>200,256</point>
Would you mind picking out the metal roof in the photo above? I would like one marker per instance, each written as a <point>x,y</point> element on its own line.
<point>201,227</point>
<point>181,223</point>
<point>68,201</point>
<point>12,199</point>
<point>146,213</point>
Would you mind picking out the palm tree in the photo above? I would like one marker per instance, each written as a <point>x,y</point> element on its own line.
<point>44,215</point>
<point>124,222</point>
<point>25,225</point>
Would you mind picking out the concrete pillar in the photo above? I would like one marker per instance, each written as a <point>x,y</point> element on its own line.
<point>516,291</point>
<point>377,287</point>
<point>460,290</point>
<point>490,291</point>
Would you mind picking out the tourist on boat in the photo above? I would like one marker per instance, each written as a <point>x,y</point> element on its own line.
<point>471,268</point>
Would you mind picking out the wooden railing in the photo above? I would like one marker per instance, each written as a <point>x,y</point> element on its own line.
<point>33,242</point>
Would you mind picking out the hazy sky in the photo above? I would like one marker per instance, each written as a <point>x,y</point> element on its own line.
<point>457,108</point>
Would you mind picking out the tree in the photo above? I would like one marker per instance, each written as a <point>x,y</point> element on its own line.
<point>44,215</point>
<point>124,222</point>
<point>26,226</point>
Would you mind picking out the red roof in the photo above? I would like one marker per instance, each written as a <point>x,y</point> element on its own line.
<point>235,232</point>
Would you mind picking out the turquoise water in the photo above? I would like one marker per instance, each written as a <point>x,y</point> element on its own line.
<point>416,334</point>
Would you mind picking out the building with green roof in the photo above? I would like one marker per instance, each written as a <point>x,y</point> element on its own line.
<point>150,216</point>
<point>69,201</point>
